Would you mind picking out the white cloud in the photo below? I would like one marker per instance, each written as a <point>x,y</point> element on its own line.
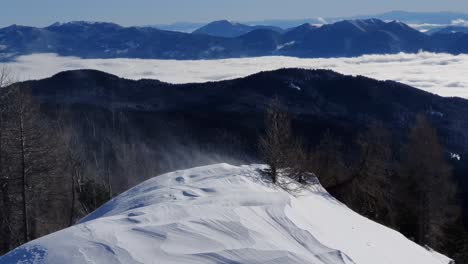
<point>443,74</point>
<point>322,20</point>
<point>424,27</point>
<point>460,22</point>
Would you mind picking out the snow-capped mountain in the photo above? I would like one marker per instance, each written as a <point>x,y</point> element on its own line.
<point>224,39</point>
<point>427,19</point>
<point>224,214</point>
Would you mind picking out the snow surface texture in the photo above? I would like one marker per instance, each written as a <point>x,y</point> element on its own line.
<point>439,73</point>
<point>223,214</point>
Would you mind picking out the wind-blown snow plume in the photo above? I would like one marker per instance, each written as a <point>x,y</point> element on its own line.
<point>223,214</point>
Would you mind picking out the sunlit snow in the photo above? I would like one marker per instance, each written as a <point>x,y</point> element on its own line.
<point>223,214</point>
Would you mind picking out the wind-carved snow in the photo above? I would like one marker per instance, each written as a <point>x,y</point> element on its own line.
<point>223,214</point>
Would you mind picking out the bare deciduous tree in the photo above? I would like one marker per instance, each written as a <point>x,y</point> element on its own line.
<point>428,175</point>
<point>373,172</point>
<point>5,202</point>
<point>279,147</point>
<point>73,165</point>
<point>274,143</point>
<point>327,161</point>
<point>31,149</point>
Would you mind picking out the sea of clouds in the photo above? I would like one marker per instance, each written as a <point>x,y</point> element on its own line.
<point>426,27</point>
<point>438,73</point>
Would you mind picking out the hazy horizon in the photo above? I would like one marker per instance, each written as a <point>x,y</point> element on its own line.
<point>150,12</point>
<point>45,24</point>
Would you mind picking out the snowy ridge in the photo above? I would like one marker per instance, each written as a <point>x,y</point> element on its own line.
<point>223,214</point>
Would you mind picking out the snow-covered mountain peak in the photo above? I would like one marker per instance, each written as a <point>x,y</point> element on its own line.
<point>81,24</point>
<point>225,22</point>
<point>223,214</point>
<point>359,25</point>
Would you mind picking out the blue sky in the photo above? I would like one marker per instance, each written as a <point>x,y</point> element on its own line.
<point>142,12</point>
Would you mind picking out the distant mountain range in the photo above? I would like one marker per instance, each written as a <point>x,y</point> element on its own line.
<point>225,40</point>
<point>417,17</point>
<point>225,28</point>
<point>439,18</point>
<point>449,30</point>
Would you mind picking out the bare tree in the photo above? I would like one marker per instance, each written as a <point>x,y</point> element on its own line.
<point>428,177</point>
<point>5,202</point>
<point>373,172</point>
<point>327,161</point>
<point>279,147</point>
<point>36,157</point>
<point>30,148</point>
<point>278,135</point>
<point>298,160</point>
<point>73,164</point>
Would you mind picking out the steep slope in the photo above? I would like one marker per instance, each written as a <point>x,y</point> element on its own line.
<point>223,214</point>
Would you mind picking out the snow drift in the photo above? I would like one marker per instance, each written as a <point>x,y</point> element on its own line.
<point>223,214</point>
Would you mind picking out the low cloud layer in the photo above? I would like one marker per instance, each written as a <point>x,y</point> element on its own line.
<point>442,74</point>
<point>424,27</point>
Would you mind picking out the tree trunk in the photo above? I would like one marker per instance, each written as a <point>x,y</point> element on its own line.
<point>73,198</point>
<point>6,210</point>
<point>5,224</point>
<point>422,225</point>
<point>274,173</point>
<point>109,185</point>
<point>23,180</point>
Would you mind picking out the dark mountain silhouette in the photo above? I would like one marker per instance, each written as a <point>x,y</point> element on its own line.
<point>298,34</point>
<point>450,43</point>
<point>357,37</point>
<point>224,28</point>
<point>222,120</point>
<point>449,30</point>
